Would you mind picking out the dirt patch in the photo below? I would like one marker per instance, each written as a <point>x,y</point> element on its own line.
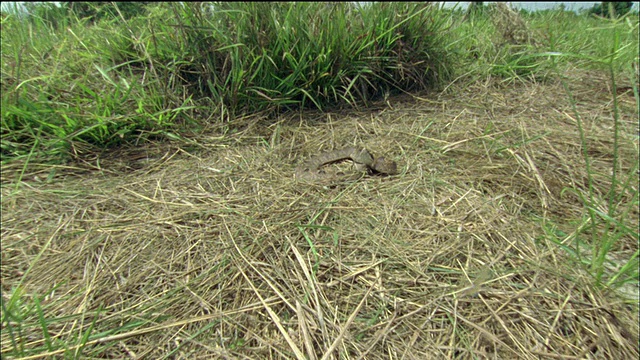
<point>216,250</point>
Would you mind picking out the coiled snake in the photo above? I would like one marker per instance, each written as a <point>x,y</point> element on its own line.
<point>363,160</point>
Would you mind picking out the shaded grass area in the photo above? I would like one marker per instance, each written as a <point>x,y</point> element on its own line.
<point>216,251</point>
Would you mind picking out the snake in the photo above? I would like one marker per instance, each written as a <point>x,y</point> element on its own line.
<point>364,163</point>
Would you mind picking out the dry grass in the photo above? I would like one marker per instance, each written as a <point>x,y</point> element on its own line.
<point>217,252</point>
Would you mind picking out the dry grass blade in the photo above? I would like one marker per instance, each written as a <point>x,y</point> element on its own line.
<point>313,289</point>
<point>308,345</point>
<point>272,314</point>
<point>345,327</point>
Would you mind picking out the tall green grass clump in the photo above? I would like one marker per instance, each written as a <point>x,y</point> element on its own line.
<point>68,88</point>
<point>73,81</point>
<point>259,56</point>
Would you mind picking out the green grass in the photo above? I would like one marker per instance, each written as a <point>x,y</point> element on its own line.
<point>116,81</point>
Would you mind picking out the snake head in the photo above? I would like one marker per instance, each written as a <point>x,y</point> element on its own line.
<point>384,166</point>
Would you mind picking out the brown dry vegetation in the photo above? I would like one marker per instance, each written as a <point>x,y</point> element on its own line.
<point>218,252</point>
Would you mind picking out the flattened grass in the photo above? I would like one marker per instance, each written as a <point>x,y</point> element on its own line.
<point>219,252</point>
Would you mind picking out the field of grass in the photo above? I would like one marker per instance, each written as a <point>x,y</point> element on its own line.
<point>150,210</point>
